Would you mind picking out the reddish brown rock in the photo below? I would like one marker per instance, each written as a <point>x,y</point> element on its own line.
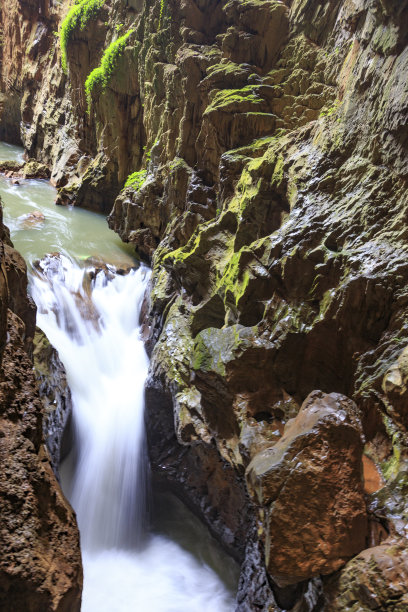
<point>40,564</point>
<point>373,480</point>
<point>40,567</point>
<point>309,487</point>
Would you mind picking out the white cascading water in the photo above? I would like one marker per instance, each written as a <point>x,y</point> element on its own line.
<point>95,327</point>
<point>102,350</point>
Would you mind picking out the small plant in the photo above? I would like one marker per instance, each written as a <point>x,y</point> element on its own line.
<point>162,2</point>
<point>326,112</point>
<point>101,75</point>
<point>78,16</point>
<point>149,153</point>
<point>136,179</point>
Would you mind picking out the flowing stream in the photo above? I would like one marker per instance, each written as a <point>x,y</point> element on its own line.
<point>91,315</point>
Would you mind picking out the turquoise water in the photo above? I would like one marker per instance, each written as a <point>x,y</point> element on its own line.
<point>38,226</point>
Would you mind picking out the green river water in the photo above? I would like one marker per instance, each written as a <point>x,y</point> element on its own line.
<point>76,231</point>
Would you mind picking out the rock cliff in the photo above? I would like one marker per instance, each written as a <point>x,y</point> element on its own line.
<point>40,567</point>
<point>256,152</point>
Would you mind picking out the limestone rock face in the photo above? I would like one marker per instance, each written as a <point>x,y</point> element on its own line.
<point>267,147</point>
<point>310,491</point>
<point>374,580</point>
<point>40,566</point>
<point>27,42</point>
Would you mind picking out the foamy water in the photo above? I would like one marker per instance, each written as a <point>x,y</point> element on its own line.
<point>161,578</point>
<point>95,328</point>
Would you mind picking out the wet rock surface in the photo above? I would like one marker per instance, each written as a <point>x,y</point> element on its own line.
<point>374,580</point>
<point>267,148</point>
<point>28,170</point>
<point>40,567</point>
<point>56,397</point>
<point>310,491</point>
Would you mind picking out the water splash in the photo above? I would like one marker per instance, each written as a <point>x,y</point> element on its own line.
<point>92,318</point>
<point>106,367</point>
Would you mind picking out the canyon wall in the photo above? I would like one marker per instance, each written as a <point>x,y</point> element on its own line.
<point>265,148</point>
<point>40,567</point>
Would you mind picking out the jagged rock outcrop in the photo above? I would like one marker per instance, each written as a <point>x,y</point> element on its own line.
<point>266,148</point>
<point>374,580</point>
<point>40,567</point>
<point>56,397</point>
<point>298,282</point>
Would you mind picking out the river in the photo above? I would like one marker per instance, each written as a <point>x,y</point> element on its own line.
<point>157,560</point>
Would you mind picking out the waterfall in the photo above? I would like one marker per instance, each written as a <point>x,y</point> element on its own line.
<point>95,326</point>
<point>92,318</point>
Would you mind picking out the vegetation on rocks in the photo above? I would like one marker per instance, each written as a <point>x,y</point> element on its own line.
<point>78,17</point>
<point>275,217</point>
<point>100,76</point>
<point>136,179</point>
<point>161,14</point>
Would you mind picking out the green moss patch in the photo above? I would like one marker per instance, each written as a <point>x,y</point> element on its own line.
<point>234,100</point>
<point>136,179</point>
<point>100,76</point>
<point>78,16</point>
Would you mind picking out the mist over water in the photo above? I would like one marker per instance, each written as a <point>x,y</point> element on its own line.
<point>92,318</point>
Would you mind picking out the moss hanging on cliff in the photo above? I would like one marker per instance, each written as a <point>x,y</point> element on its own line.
<point>78,16</point>
<point>101,75</point>
<point>162,6</point>
<point>136,179</point>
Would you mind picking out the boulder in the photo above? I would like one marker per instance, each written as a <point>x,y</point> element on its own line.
<point>34,169</point>
<point>374,580</point>
<point>31,219</point>
<point>309,487</point>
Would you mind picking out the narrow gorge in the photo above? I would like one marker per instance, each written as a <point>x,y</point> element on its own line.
<point>205,409</point>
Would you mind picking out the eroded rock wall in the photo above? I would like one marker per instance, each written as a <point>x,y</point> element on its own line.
<point>268,145</point>
<point>297,284</point>
<point>40,567</point>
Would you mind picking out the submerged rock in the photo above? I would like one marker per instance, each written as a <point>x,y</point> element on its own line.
<point>32,219</point>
